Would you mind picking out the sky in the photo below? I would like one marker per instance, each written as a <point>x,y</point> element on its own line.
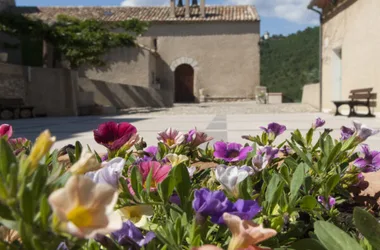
<point>277,16</point>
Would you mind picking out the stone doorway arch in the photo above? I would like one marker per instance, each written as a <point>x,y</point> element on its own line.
<point>184,84</point>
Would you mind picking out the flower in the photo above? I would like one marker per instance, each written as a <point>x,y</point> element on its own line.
<point>363,132</point>
<point>265,156</point>
<point>322,200</point>
<point>62,246</point>
<point>259,163</point>
<point>230,177</point>
<point>207,203</point>
<point>40,148</point>
<point>130,234</point>
<point>274,129</point>
<point>86,163</point>
<point>192,171</point>
<point>114,135</point>
<point>171,137</point>
<point>286,150</point>
<point>6,130</point>
<point>137,214</point>
<point>207,247</point>
<point>231,152</point>
<point>151,152</point>
<point>246,233</point>
<point>175,160</point>
<point>370,162</point>
<point>245,209</point>
<point>269,153</point>
<point>84,208</point>
<point>109,173</point>
<point>318,123</point>
<point>195,138</point>
<point>159,173</point>
<point>346,133</point>
<point>18,144</point>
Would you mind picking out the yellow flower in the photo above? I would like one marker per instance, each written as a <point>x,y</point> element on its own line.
<point>138,214</point>
<point>40,148</point>
<point>175,159</point>
<point>86,163</point>
<point>84,208</point>
<point>246,234</point>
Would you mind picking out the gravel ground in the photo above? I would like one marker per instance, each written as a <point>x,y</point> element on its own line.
<point>240,107</point>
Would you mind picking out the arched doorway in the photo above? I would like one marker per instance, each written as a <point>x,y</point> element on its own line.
<point>184,83</point>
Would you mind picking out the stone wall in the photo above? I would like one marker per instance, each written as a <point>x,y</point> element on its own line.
<point>51,91</point>
<point>123,96</point>
<point>311,95</point>
<point>6,3</point>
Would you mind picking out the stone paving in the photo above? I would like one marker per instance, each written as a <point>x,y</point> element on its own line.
<point>222,121</point>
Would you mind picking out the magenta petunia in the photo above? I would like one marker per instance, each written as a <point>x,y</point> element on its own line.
<point>6,130</point>
<point>231,152</point>
<point>114,135</point>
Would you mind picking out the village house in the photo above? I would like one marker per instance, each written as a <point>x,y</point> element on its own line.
<point>350,48</point>
<point>190,53</point>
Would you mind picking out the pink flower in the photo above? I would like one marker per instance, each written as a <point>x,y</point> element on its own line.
<point>195,138</point>
<point>114,135</point>
<point>6,130</point>
<point>171,137</point>
<point>246,234</point>
<point>159,173</point>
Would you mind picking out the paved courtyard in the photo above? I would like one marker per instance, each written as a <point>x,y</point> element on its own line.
<point>228,121</point>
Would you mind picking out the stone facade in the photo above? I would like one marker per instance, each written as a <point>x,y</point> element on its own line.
<point>12,81</point>
<point>351,50</point>
<point>4,4</point>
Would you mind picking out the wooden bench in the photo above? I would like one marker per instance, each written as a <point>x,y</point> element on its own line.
<point>359,97</point>
<point>15,107</point>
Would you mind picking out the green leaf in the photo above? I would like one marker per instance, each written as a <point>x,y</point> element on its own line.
<point>297,180</point>
<point>272,187</point>
<point>44,213</point>
<point>308,202</point>
<point>334,238</point>
<point>302,155</point>
<point>6,157</point>
<point>297,137</point>
<point>308,244</point>
<point>148,182</point>
<point>333,154</point>
<point>136,181</point>
<point>368,226</point>
<point>309,136</point>
<point>78,150</point>
<point>331,184</point>
<point>5,212</point>
<point>38,182</point>
<point>166,187</point>
<point>71,156</point>
<point>183,184</point>
<point>284,170</point>
<point>28,204</point>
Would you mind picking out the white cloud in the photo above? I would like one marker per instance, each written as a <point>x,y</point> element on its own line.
<point>144,2</point>
<point>292,10</point>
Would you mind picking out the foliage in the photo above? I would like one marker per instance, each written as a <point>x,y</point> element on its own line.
<point>294,187</point>
<point>289,62</point>
<point>79,41</point>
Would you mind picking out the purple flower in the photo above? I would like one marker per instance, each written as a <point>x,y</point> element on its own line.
<point>104,157</point>
<point>246,209</point>
<point>214,204</point>
<point>360,179</point>
<point>363,132</point>
<point>318,123</point>
<point>130,234</point>
<point>62,246</point>
<point>286,150</point>
<point>346,133</point>
<point>370,162</point>
<point>269,153</point>
<point>331,203</point>
<point>175,199</point>
<point>274,129</point>
<point>231,152</point>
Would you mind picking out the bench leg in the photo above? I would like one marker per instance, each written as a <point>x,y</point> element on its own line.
<point>337,110</point>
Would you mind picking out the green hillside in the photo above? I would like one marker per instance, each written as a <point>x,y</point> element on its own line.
<point>289,62</point>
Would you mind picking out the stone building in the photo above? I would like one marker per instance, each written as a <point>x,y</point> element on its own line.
<point>187,51</point>
<point>350,48</point>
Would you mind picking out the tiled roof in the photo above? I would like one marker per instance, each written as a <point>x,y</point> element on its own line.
<point>152,14</point>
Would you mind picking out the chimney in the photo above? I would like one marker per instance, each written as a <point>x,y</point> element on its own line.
<point>203,11</point>
<point>172,8</point>
<point>187,10</point>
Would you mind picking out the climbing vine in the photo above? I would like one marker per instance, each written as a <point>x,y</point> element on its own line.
<point>80,42</point>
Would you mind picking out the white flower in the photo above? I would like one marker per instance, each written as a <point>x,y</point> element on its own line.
<point>86,163</point>
<point>363,132</point>
<point>230,177</point>
<point>84,208</point>
<point>110,173</point>
<point>192,171</point>
<point>259,163</point>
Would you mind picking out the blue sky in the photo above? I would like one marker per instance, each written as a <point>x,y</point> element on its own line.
<point>277,16</point>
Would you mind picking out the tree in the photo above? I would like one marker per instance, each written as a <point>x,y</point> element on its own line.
<point>79,41</point>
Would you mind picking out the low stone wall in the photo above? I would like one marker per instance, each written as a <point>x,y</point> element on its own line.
<point>311,95</point>
<point>123,96</point>
<point>51,91</point>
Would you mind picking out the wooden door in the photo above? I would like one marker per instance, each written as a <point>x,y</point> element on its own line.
<point>184,84</point>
